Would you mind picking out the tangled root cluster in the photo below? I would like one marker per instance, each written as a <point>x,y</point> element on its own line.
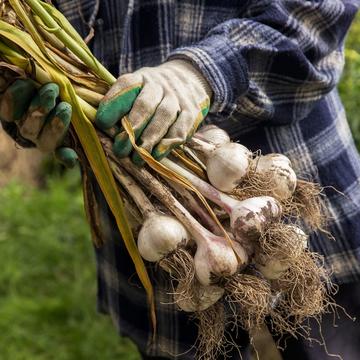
<point>254,184</point>
<point>250,297</point>
<point>212,324</point>
<point>304,292</point>
<point>306,203</point>
<point>179,264</point>
<point>281,242</point>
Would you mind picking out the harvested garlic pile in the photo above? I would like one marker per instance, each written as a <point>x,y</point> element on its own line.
<point>240,259</point>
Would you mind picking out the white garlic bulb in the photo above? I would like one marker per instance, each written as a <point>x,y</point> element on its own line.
<point>213,135</point>
<point>159,235</point>
<point>205,297</point>
<point>274,268</point>
<point>227,165</point>
<point>278,168</point>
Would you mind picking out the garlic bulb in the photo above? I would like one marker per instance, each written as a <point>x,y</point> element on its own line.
<point>249,218</point>
<point>214,259</point>
<point>227,165</point>
<point>274,268</point>
<point>303,238</point>
<point>160,235</point>
<point>213,135</point>
<point>204,297</point>
<point>278,168</point>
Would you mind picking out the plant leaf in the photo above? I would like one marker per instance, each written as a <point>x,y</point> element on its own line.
<point>92,148</point>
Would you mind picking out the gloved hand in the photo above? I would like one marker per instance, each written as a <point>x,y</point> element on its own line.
<point>35,115</point>
<point>166,104</point>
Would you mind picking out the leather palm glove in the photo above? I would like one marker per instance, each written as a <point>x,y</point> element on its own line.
<point>165,106</point>
<point>35,117</point>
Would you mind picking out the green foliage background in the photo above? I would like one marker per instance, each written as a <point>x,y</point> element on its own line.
<point>47,278</point>
<point>47,268</point>
<point>349,86</point>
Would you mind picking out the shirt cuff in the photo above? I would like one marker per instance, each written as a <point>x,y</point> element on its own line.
<point>223,67</point>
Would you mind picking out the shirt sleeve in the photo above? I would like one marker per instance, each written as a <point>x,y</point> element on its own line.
<point>276,60</point>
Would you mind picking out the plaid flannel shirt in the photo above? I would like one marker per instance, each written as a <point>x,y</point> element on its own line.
<point>273,66</point>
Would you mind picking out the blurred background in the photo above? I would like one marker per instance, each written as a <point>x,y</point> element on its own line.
<point>47,268</point>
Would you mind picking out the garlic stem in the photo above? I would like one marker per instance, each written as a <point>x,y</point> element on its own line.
<point>193,205</point>
<point>167,198</point>
<point>201,146</point>
<point>90,96</point>
<point>247,218</point>
<point>214,257</point>
<point>191,154</point>
<point>224,201</point>
<point>136,193</point>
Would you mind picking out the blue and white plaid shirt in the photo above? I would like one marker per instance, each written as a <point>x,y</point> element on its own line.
<point>273,66</point>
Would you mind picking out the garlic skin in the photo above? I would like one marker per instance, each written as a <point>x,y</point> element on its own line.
<point>274,268</point>
<point>205,297</point>
<point>279,168</point>
<point>227,165</point>
<point>250,217</point>
<point>301,236</point>
<point>213,135</point>
<point>213,259</point>
<point>159,235</point>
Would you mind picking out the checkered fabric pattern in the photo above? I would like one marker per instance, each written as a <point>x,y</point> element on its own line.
<point>273,66</point>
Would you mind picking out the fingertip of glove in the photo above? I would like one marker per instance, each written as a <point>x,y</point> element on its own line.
<point>111,110</point>
<point>64,112</point>
<point>105,117</point>
<point>137,159</point>
<point>160,152</point>
<point>66,156</point>
<point>122,146</point>
<point>51,89</point>
<point>23,84</point>
<point>16,99</point>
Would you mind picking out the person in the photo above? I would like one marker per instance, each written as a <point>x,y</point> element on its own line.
<point>265,71</point>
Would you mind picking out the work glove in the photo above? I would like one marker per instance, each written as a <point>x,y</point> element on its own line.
<point>165,106</point>
<point>35,117</point>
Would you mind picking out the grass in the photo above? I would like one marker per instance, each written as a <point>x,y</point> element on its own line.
<point>349,86</point>
<point>47,278</point>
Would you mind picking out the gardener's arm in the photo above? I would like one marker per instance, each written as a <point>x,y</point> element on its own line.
<point>271,64</point>
<point>278,60</point>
